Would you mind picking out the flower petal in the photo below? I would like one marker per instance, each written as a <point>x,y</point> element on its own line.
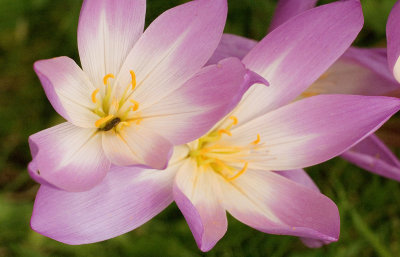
<point>107,31</point>
<point>68,90</point>
<point>287,9</point>
<point>296,53</point>
<point>299,176</point>
<point>314,130</point>
<point>373,155</point>
<point>393,40</point>
<point>358,72</point>
<point>196,194</point>
<point>126,199</point>
<point>194,108</point>
<point>135,145</point>
<point>69,157</point>
<point>273,204</point>
<point>232,46</point>
<point>174,48</point>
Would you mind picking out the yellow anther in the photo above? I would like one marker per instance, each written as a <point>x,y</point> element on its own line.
<point>135,106</point>
<point>257,140</point>
<point>94,100</point>
<point>107,77</point>
<point>224,131</point>
<point>103,120</point>
<point>133,75</point>
<point>234,119</point>
<point>240,172</point>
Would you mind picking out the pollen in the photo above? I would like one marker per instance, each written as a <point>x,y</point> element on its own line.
<point>103,120</point>
<point>240,172</point>
<point>257,140</point>
<point>135,106</point>
<point>133,75</point>
<point>107,77</point>
<point>234,119</point>
<point>94,100</point>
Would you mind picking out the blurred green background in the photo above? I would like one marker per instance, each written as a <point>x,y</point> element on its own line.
<point>38,29</point>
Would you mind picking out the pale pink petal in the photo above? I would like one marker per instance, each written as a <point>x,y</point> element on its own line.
<point>107,31</point>
<point>373,155</point>
<point>287,9</point>
<point>313,130</point>
<point>232,46</point>
<point>68,89</point>
<point>135,145</point>
<point>194,108</point>
<point>295,54</point>
<point>273,204</point>
<point>299,176</point>
<point>174,48</point>
<point>68,157</point>
<point>126,199</point>
<point>197,196</point>
<point>360,72</point>
<point>393,40</point>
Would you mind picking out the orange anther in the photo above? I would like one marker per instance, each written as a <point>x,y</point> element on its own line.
<point>103,120</point>
<point>257,140</point>
<point>133,75</point>
<point>94,100</point>
<point>107,77</point>
<point>234,119</point>
<point>240,172</point>
<point>135,106</point>
<point>224,131</point>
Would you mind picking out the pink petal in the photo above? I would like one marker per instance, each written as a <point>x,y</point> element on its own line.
<point>393,40</point>
<point>126,199</point>
<point>315,129</point>
<point>196,194</point>
<point>295,54</point>
<point>136,145</point>
<point>287,9</point>
<point>232,46</point>
<point>194,108</point>
<point>273,204</point>
<point>174,48</point>
<point>68,157</point>
<point>68,89</point>
<point>359,72</point>
<point>107,31</point>
<point>373,155</point>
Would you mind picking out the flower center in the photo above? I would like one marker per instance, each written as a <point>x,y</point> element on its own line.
<point>115,113</point>
<point>229,161</point>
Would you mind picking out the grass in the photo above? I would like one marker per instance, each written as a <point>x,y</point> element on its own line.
<point>39,29</point>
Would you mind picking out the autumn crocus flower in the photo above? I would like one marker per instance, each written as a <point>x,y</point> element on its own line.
<point>237,166</point>
<point>359,71</point>
<point>138,93</point>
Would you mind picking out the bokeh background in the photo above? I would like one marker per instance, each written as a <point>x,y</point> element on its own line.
<point>39,29</point>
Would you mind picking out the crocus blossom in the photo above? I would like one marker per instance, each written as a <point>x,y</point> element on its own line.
<point>359,71</point>
<point>138,93</point>
<point>250,163</point>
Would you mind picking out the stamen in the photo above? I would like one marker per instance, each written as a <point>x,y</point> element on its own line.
<point>103,120</point>
<point>94,100</point>
<point>135,106</point>
<point>224,131</point>
<point>240,172</point>
<point>133,75</point>
<point>107,77</point>
<point>234,119</point>
<point>257,140</point>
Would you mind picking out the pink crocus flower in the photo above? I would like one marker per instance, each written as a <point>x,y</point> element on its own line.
<point>359,71</point>
<point>250,163</point>
<point>138,93</point>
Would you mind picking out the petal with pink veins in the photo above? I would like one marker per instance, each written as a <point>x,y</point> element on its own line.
<point>126,199</point>
<point>194,108</point>
<point>107,31</point>
<point>274,204</point>
<point>313,130</point>
<point>373,155</point>
<point>173,49</point>
<point>196,192</point>
<point>68,89</point>
<point>295,54</point>
<point>69,157</point>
